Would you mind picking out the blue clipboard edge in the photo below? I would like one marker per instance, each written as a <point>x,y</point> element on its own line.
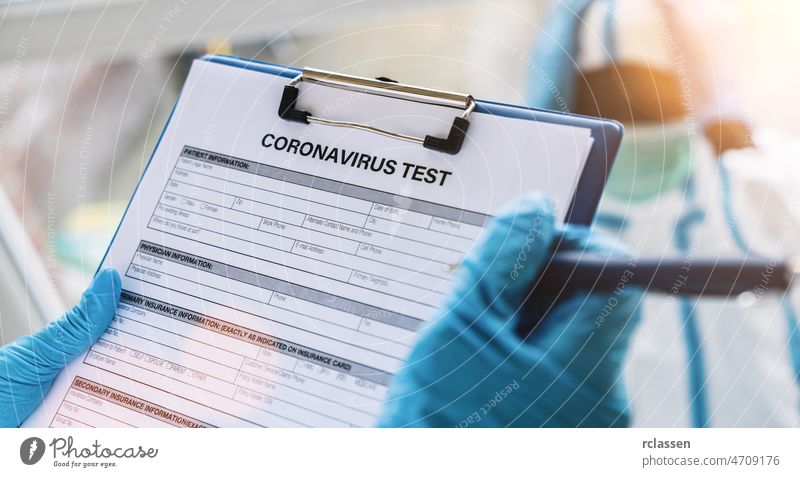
<point>607,135</point>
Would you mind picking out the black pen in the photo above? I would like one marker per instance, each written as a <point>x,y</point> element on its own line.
<point>676,275</point>
<point>569,272</point>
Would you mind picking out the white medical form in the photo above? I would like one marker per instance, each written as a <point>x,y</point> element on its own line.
<point>276,273</point>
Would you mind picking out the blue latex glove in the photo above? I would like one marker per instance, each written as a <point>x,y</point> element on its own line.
<point>29,365</point>
<point>469,367</point>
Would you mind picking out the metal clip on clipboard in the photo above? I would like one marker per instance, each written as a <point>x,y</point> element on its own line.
<point>381,86</point>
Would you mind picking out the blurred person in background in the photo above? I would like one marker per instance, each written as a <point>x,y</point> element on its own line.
<point>691,178</point>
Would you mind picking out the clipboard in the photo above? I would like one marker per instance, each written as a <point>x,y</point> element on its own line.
<point>606,133</point>
<point>244,262</point>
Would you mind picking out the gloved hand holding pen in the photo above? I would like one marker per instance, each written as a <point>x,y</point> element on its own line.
<point>469,367</point>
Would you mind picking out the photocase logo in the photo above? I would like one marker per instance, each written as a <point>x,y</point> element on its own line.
<point>31,450</point>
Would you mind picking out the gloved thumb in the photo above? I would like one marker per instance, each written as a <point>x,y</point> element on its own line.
<point>504,264</point>
<point>63,340</point>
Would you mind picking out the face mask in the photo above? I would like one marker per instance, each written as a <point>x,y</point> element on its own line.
<point>651,160</point>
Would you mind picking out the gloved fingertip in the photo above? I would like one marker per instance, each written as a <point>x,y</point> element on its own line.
<point>507,259</point>
<point>521,225</point>
<point>106,280</point>
<point>529,205</point>
<point>99,301</point>
<point>523,232</point>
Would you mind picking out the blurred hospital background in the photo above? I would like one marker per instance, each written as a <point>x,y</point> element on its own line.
<point>87,85</point>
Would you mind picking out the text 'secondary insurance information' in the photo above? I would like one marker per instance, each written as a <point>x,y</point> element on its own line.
<point>275,273</point>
